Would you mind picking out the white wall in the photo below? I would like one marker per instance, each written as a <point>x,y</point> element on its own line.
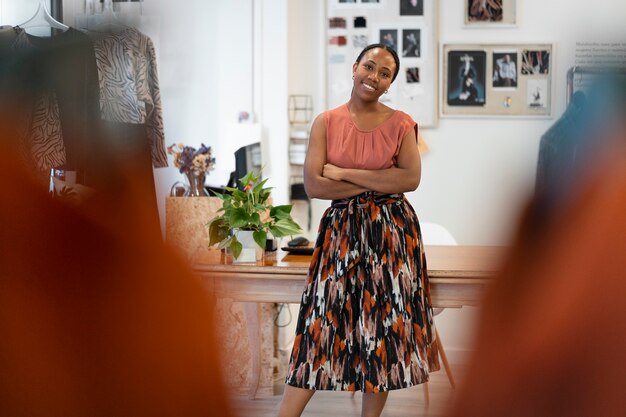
<point>480,170</point>
<point>14,12</point>
<point>274,69</point>
<point>307,75</point>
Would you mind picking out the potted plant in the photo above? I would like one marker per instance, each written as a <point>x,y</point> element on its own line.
<point>249,211</point>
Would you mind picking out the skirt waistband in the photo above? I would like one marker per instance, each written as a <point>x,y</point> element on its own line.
<point>368,197</point>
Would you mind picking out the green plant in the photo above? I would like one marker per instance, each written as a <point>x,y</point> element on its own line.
<point>249,210</point>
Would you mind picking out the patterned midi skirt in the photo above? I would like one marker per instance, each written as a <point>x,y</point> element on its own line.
<point>365,320</point>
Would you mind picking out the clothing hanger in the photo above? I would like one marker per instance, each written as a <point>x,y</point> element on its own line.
<point>42,18</point>
<point>107,21</point>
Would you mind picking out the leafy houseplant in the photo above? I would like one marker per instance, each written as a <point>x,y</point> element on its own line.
<point>249,210</point>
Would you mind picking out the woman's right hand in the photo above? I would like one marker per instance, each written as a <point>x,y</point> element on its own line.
<point>332,172</point>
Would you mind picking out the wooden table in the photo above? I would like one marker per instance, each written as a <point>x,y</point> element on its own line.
<point>457,274</point>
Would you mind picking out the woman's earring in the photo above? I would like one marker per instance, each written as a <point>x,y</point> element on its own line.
<point>353,76</point>
<point>386,91</point>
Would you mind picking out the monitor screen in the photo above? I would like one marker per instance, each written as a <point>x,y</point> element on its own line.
<point>247,158</point>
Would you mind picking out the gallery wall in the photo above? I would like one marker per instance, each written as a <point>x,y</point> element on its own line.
<point>481,170</point>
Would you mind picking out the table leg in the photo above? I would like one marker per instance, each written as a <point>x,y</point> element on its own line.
<point>254,342</point>
<point>444,359</point>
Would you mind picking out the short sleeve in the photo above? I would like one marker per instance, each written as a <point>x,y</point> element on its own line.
<point>406,125</point>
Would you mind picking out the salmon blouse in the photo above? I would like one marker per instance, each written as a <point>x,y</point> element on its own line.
<point>347,146</point>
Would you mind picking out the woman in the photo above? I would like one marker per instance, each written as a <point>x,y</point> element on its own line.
<point>365,321</point>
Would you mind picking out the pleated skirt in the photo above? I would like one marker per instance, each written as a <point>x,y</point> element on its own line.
<point>366,320</point>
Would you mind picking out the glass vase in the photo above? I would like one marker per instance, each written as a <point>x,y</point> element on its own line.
<point>195,185</point>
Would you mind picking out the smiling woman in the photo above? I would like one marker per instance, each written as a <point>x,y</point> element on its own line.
<point>363,156</point>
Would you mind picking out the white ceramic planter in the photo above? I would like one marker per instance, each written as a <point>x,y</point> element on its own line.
<point>251,252</point>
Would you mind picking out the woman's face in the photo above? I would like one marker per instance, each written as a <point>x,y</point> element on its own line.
<point>373,74</point>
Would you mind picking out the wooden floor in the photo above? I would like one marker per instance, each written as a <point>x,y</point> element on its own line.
<point>401,403</point>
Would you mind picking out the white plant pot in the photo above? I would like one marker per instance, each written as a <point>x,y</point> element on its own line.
<point>251,252</point>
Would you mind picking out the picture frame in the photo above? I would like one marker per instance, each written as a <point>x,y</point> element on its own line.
<point>412,43</point>
<point>389,37</point>
<point>467,77</point>
<point>481,13</point>
<point>412,33</point>
<point>496,80</point>
<point>372,4</point>
<point>411,7</point>
<point>505,67</point>
<point>358,4</point>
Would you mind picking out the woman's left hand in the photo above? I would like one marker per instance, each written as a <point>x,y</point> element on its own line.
<point>332,172</point>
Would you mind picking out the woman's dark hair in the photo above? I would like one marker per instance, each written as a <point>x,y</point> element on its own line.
<point>392,51</point>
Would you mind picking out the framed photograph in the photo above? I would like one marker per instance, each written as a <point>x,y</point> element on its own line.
<point>358,4</point>
<point>411,46</point>
<point>537,93</point>
<point>408,26</point>
<point>411,7</point>
<point>504,69</point>
<point>389,37</point>
<point>345,4</point>
<point>466,78</point>
<point>490,12</point>
<point>372,4</point>
<point>412,75</point>
<point>496,80</point>
<point>535,62</point>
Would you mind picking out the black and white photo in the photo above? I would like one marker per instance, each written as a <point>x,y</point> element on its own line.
<point>412,75</point>
<point>466,78</point>
<point>389,37</point>
<point>504,69</point>
<point>411,45</point>
<point>411,7</point>
<point>537,91</point>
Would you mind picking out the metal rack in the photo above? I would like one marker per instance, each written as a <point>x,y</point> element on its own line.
<point>300,116</point>
<point>300,108</point>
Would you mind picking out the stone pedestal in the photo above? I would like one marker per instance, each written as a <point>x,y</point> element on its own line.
<point>185,230</point>
<point>185,222</point>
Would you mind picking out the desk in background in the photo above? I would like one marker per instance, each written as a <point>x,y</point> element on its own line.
<point>457,274</point>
